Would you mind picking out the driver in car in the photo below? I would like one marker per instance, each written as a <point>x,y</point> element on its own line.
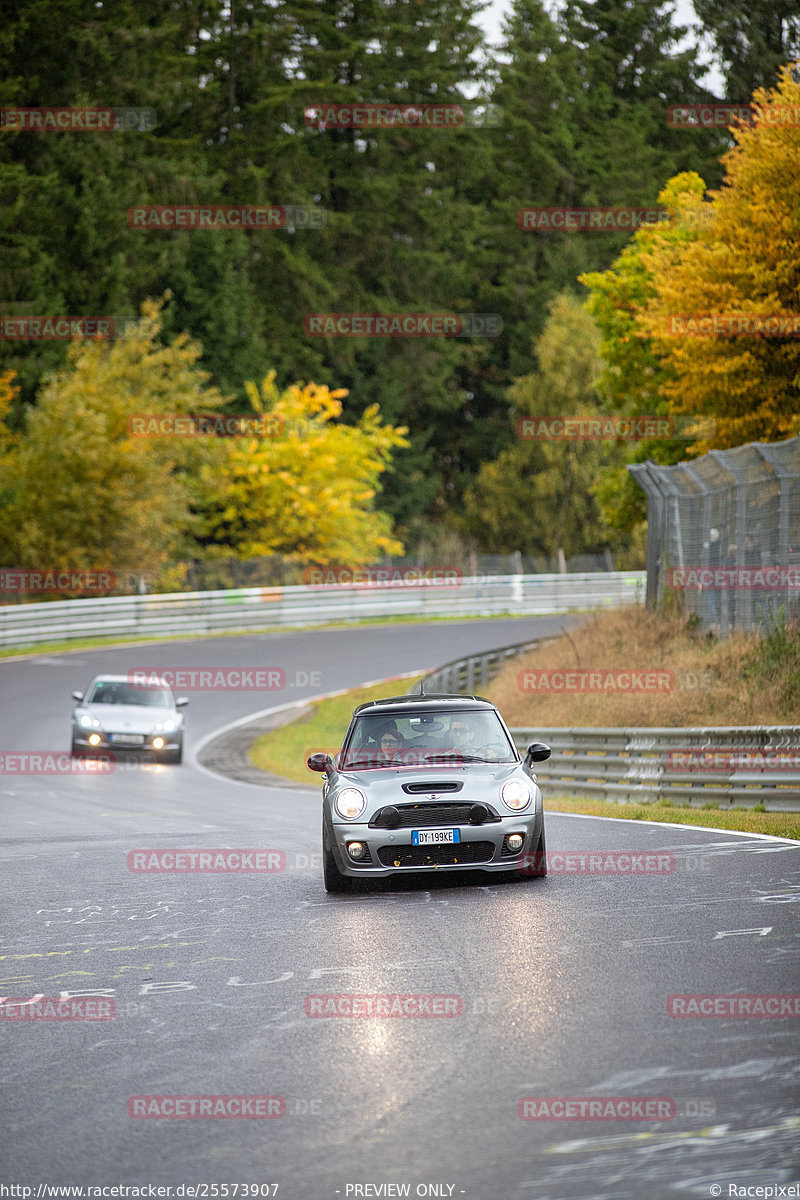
<point>461,737</point>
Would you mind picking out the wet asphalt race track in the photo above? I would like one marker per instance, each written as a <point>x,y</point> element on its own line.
<point>563,982</point>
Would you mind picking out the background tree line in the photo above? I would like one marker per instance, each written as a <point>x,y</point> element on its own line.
<point>416,220</point>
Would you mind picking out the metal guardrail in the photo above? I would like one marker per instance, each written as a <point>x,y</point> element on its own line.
<point>259,608</point>
<point>701,766</point>
<point>464,676</point>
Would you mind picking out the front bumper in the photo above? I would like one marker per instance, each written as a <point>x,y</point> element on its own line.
<point>172,741</point>
<point>481,848</point>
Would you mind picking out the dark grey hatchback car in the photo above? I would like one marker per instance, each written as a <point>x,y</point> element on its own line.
<point>429,783</point>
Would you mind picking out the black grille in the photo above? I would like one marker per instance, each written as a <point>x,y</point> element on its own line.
<point>460,855</point>
<point>425,816</point>
<point>434,785</point>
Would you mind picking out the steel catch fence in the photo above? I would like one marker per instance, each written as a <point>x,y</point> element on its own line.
<point>723,535</point>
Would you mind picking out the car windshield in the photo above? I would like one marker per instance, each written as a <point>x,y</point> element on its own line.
<point>114,692</point>
<point>416,738</point>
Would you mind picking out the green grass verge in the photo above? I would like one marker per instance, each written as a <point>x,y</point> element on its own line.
<point>284,752</point>
<point>744,820</point>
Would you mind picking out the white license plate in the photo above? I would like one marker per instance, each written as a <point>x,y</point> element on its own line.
<point>434,837</point>
<point>129,739</point>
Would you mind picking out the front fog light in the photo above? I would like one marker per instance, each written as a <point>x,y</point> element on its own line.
<point>515,841</point>
<point>356,849</point>
<point>94,739</point>
<point>158,743</point>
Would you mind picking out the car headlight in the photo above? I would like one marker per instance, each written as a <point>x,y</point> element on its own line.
<point>87,722</point>
<point>515,794</point>
<point>350,803</point>
<point>167,726</point>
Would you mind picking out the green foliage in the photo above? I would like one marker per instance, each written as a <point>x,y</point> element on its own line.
<point>536,496</point>
<point>777,657</point>
<point>751,41</point>
<point>417,220</point>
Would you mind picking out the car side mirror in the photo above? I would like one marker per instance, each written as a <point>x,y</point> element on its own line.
<point>320,762</point>
<point>182,701</point>
<point>77,695</point>
<point>537,752</point>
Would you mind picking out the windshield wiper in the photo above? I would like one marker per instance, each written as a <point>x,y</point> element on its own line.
<point>455,756</point>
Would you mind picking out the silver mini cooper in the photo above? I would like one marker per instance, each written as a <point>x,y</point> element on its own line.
<point>429,783</point>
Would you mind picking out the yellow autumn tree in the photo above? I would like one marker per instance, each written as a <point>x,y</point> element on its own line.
<point>743,262</point>
<point>78,488</point>
<point>8,392</point>
<point>307,488</point>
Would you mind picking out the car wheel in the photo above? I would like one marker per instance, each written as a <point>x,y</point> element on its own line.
<point>77,751</point>
<point>538,867</point>
<point>173,756</point>
<point>333,879</point>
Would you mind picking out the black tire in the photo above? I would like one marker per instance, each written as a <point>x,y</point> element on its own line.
<point>332,877</point>
<point>538,868</point>
<point>173,756</point>
<point>77,751</point>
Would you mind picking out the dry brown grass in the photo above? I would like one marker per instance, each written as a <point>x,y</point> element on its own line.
<point>712,683</point>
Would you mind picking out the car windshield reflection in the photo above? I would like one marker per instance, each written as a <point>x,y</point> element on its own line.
<point>125,693</point>
<point>415,739</point>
